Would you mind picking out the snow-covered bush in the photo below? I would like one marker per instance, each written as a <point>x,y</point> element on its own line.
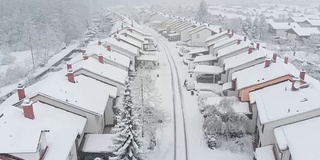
<point>223,124</point>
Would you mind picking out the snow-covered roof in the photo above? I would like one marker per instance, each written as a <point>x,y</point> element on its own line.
<point>174,34</point>
<point>202,27</point>
<point>283,102</point>
<point>206,69</point>
<point>98,143</point>
<point>284,25</point>
<point>239,107</point>
<point>301,138</point>
<point>225,41</point>
<point>244,58</point>
<point>87,93</point>
<point>154,58</point>
<point>259,74</point>
<point>136,36</point>
<point>204,58</point>
<point>124,46</point>
<point>298,19</point>
<point>131,41</point>
<point>20,135</point>
<point>190,26</point>
<point>198,50</point>
<point>105,70</point>
<point>109,55</point>
<point>265,153</point>
<point>305,31</point>
<point>217,36</point>
<point>312,16</point>
<point>232,48</point>
<point>314,23</point>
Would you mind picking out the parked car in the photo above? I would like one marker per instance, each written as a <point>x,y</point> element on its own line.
<point>190,85</point>
<point>180,54</point>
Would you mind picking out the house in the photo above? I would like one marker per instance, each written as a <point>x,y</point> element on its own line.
<point>260,76</point>
<point>81,95</point>
<point>206,73</point>
<point>184,32</point>
<point>182,25</point>
<point>298,140</point>
<point>199,34</point>
<point>298,20</point>
<point>232,50</point>
<point>243,61</point>
<point>36,130</point>
<point>100,71</point>
<point>279,28</point>
<point>217,37</point>
<point>131,41</point>
<point>215,46</point>
<point>312,23</point>
<point>285,103</point>
<point>124,49</point>
<point>295,36</point>
<point>107,56</point>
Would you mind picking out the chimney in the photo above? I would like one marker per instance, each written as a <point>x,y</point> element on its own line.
<point>71,76</point>
<point>99,43</point>
<point>230,35</point>
<point>108,47</point>
<point>125,34</point>
<point>238,41</point>
<point>267,63</point>
<point>115,36</point>
<point>220,30</point>
<point>100,58</point>
<point>69,65</point>
<point>21,92</point>
<point>83,51</point>
<point>244,38</point>
<point>28,109</point>
<point>274,57</point>
<point>302,74</point>
<point>295,84</point>
<point>85,56</point>
<point>117,31</point>
<point>250,49</point>
<point>232,32</point>
<point>228,31</point>
<point>286,59</point>
<point>258,45</point>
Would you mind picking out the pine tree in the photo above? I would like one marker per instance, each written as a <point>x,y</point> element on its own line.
<point>127,141</point>
<point>202,13</point>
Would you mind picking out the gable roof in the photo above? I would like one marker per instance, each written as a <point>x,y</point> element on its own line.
<point>105,70</point>
<point>259,74</point>
<point>217,36</point>
<point>16,130</point>
<point>284,25</point>
<point>283,102</point>
<point>244,58</point>
<point>301,138</point>
<point>214,29</point>
<point>232,48</point>
<point>122,46</point>
<point>304,32</point>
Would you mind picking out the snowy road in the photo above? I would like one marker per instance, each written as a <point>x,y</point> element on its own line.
<point>189,143</point>
<point>180,148</point>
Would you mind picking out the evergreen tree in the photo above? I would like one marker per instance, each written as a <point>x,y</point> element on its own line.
<point>127,141</point>
<point>202,13</point>
<point>247,26</point>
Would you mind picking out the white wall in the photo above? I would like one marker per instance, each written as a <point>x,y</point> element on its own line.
<point>293,39</point>
<point>108,113</point>
<point>185,34</point>
<point>200,41</point>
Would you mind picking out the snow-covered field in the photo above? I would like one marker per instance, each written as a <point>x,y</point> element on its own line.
<point>197,147</point>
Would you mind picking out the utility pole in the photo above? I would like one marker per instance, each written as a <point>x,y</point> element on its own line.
<point>142,105</point>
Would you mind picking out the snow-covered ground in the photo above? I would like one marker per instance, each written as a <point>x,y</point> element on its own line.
<point>197,147</point>
<point>22,57</point>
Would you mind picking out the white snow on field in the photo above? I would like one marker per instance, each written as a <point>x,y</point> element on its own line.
<point>197,147</point>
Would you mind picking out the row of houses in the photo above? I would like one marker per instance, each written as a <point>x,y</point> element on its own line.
<point>280,101</point>
<point>181,29</point>
<point>69,113</point>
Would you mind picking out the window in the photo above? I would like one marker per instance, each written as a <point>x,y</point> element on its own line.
<point>198,35</point>
<point>262,128</point>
